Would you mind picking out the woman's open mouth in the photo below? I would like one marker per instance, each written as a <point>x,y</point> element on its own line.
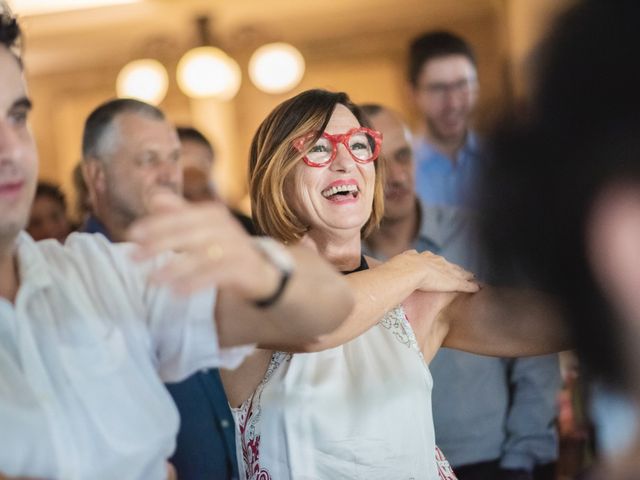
<point>339,193</point>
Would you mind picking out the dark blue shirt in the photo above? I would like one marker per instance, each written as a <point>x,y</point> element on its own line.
<point>206,440</point>
<point>93,225</point>
<point>205,446</point>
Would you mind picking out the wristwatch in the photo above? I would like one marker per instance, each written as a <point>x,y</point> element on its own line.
<point>276,254</point>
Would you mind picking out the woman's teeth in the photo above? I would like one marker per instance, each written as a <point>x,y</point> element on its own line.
<point>340,189</point>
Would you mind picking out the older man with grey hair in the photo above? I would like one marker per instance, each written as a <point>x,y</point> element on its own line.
<point>130,150</point>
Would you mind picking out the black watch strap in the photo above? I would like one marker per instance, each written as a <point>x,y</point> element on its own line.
<point>276,254</point>
<point>267,302</point>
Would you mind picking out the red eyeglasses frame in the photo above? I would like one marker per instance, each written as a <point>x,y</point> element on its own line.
<point>300,142</point>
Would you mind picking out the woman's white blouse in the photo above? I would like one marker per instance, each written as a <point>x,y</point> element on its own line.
<point>83,354</point>
<point>358,411</point>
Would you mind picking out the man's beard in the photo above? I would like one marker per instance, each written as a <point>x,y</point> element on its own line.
<point>124,210</point>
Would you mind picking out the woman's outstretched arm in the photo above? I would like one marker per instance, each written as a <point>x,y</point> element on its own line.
<point>388,284</point>
<point>506,322</point>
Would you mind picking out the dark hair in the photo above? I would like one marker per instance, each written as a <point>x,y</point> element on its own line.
<point>548,168</point>
<point>101,119</point>
<point>10,35</point>
<point>432,45</point>
<point>194,135</point>
<point>53,191</point>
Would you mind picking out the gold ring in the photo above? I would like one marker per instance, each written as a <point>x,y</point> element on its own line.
<point>215,252</point>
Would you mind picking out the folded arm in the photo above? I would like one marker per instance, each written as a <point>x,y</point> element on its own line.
<point>376,291</point>
<point>388,284</point>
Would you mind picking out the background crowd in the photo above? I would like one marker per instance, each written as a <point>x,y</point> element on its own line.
<point>513,207</point>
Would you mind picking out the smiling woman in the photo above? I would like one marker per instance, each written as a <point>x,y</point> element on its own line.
<point>357,403</point>
<point>305,134</point>
<point>333,187</point>
<point>361,409</point>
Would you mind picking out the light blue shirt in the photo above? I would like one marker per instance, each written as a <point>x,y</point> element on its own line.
<point>439,181</point>
<point>615,419</point>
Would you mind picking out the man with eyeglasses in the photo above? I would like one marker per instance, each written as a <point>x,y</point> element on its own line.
<point>443,81</point>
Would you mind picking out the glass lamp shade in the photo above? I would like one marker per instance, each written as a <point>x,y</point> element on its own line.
<point>208,72</point>
<point>144,79</point>
<point>276,67</point>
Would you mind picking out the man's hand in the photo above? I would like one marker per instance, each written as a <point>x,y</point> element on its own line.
<point>212,248</point>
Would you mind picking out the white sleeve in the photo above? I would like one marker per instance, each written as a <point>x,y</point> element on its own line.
<point>184,334</point>
<point>182,330</point>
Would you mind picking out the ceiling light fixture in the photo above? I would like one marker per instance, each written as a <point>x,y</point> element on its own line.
<point>144,79</point>
<point>207,71</point>
<point>276,67</point>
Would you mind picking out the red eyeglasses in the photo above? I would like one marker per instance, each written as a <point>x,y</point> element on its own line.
<point>363,144</point>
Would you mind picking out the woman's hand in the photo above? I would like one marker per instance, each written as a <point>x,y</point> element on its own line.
<point>436,273</point>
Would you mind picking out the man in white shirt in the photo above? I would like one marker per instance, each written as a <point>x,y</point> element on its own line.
<point>87,336</point>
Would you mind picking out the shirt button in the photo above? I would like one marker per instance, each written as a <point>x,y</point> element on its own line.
<point>224,423</point>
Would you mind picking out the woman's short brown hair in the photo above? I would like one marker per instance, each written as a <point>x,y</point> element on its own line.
<point>273,158</point>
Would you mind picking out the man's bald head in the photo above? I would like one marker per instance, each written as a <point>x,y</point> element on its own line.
<point>399,191</point>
